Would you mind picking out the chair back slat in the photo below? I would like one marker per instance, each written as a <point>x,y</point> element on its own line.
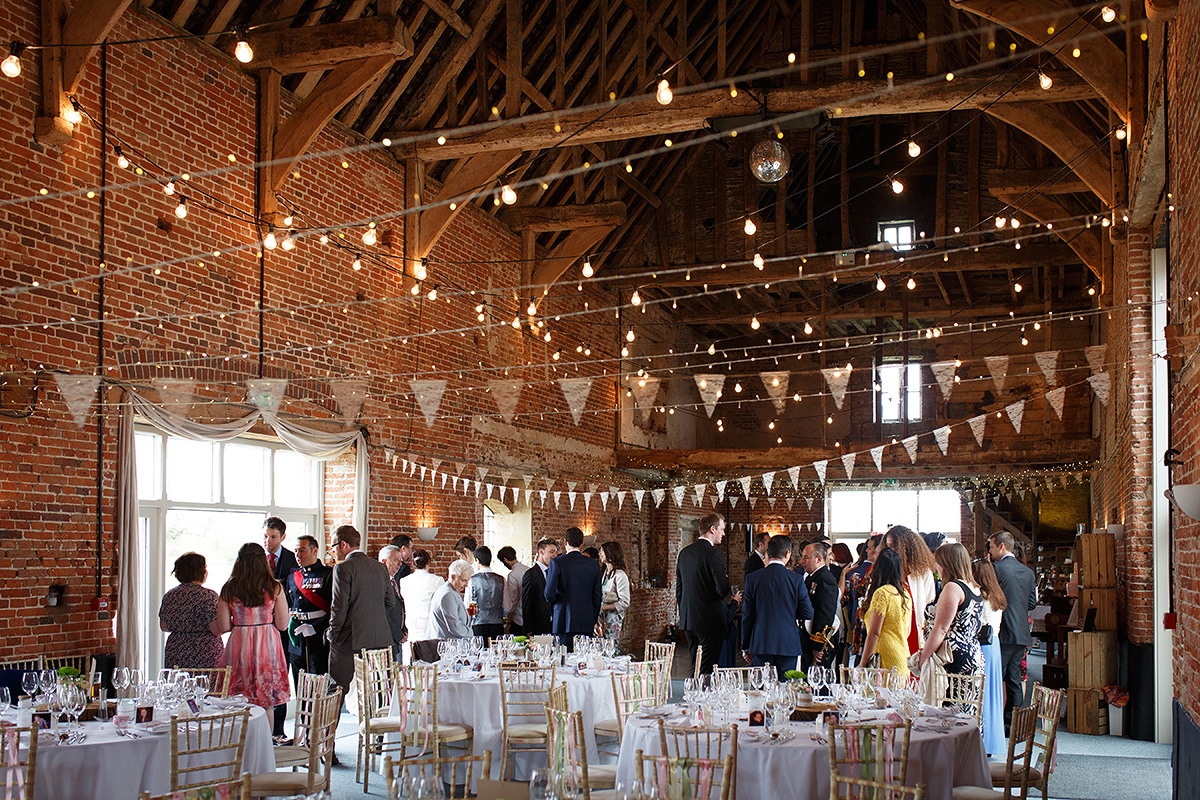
<point>524,692</point>
<point>462,771</point>
<point>238,789</point>
<point>843,787</point>
<point>202,745</point>
<point>1049,705</point>
<point>876,751</point>
<point>659,651</point>
<point>963,691</point>
<point>1020,751</point>
<point>686,778</point>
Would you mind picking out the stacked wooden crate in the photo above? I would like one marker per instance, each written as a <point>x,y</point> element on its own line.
<point>1092,654</point>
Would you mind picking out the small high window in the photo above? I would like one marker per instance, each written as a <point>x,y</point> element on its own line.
<point>897,387</point>
<point>898,233</point>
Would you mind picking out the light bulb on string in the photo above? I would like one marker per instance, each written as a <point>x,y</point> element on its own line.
<point>356,265</point>
<point>516,323</point>
<point>587,270</point>
<point>1044,80</point>
<point>122,160</point>
<point>421,270</point>
<point>1001,221</point>
<point>630,336</point>
<point>624,351</point>
<point>754,323</point>
<point>912,284</point>
<point>415,290</point>
<point>1017,287</point>
<point>181,210</point>
<point>750,228</point>
<point>288,220</point>
<point>759,261</point>
<point>897,186</point>
<point>914,149</point>
<point>73,115</point>
<point>269,241</point>
<point>879,284</point>
<point>531,309</point>
<point>712,349</point>
<point>508,195</point>
<point>808,328</point>
<point>1108,13</point>
<point>663,93</point>
<point>370,237</point>
<point>289,242</point>
<point>433,294</point>
<point>11,65</point>
<point>242,51</point>
<point>169,188</point>
<point>1120,133</point>
<point>635,298</point>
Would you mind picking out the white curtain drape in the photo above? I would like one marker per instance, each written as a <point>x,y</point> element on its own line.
<point>317,444</point>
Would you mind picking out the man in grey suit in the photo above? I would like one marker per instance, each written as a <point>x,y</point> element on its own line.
<point>362,596</point>
<point>1019,585</point>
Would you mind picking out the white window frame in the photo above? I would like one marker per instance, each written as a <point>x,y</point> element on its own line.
<point>911,391</point>
<point>881,525</point>
<point>896,228</point>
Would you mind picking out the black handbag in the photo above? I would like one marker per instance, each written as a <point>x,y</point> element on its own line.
<point>985,633</point>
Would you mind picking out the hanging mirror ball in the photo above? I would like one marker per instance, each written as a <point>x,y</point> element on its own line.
<point>769,161</point>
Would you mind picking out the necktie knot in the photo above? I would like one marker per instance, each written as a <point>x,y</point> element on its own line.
<point>272,559</point>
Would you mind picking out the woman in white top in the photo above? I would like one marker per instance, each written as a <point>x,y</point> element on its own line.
<point>918,566</point>
<point>417,590</point>
<point>615,587</point>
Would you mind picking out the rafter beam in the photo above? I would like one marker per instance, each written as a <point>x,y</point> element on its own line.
<point>927,310</point>
<point>1101,62</point>
<point>1086,243</point>
<point>324,46</point>
<point>470,177</point>
<point>450,17</point>
<point>1035,181</point>
<point>577,244</point>
<point>564,218</point>
<point>88,22</point>
<point>693,110</point>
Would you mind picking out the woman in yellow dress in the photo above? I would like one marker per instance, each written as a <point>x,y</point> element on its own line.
<point>889,614</point>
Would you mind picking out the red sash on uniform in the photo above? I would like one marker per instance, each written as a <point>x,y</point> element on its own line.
<point>309,594</point>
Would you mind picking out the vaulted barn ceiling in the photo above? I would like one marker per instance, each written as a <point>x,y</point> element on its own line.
<point>525,89</point>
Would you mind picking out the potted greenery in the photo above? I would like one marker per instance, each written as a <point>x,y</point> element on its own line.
<point>798,686</point>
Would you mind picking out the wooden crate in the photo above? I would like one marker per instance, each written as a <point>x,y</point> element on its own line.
<point>1096,553</point>
<point>1105,603</point>
<point>1086,712</point>
<point>1091,659</point>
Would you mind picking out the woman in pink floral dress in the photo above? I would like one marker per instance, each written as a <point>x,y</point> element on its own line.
<point>252,609</point>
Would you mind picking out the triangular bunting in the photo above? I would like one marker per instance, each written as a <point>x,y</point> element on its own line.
<point>1016,413</point>
<point>557,498</point>
<point>699,489</point>
<point>265,394</point>
<point>776,384</point>
<point>542,495</point>
<point>942,437</point>
<point>506,394</point>
<point>678,492</point>
<point>978,426</point>
<point>1100,385</point>
<point>175,394</point>
<point>820,467</point>
<point>998,368</point>
<point>645,390</point>
<point>587,501</point>
<point>753,501</point>
<point>480,473</point>
<point>1055,398</point>
<point>733,498</point>
<point>638,494</point>
<point>944,372</point>
<point>710,386</point>
<point>771,500</point>
<point>789,501</point>
<point>768,478</point>
<point>658,495</point>
<point>620,499</point>
<point>1048,361</point>
<point>837,378</point>
<point>576,391</point>
<point>848,464</point>
<point>1095,357</point>
<point>910,447</point>
<point>349,394</point>
<point>429,397</point>
<point>877,457</point>
<point>79,392</point>
<point>745,482</point>
<point>571,499</point>
<point>808,498</point>
<point>720,487</point>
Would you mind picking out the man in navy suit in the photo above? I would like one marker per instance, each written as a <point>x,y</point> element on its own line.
<point>701,589</point>
<point>534,608</point>
<point>573,592</point>
<point>283,563</point>
<point>774,605</point>
<point>820,645</point>
<point>1019,585</point>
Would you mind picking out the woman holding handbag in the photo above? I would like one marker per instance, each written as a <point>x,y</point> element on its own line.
<point>957,616</point>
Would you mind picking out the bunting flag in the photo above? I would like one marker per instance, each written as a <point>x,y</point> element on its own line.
<point>175,394</point>
<point>587,501</point>
<point>768,478</point>
<point>445,477</point>
<point>699,489</point>
<point>745,482</point>
<point>454,483</point>
<point>480,473</point>
<point>557,497</point>
<point>1048,361</point>
<point>877,457</point>
<point>808,498</point>
<point>837,378</point>
<point>1056,398</point>
<point>776,384</point>
<point>576,391</point>
<point>459,467</point>
<point>753,501</point>
<point>79,391</point>
<point>910,447</point>
<point>638,494</point>
<point>942,437</point>
<point>1095,357</point>
<point>944,372</point>
<point>349,394</point>
<point>658,495</point>
<point>1100,385</point>
<point>820,467</point>
<point>571,485</point>
<point>429,397</point>
<point>645,390</point>
<point>1016,413</point>
<point>478,489</point>
<point>978,425</point>
<point>998,368</point>
<point>678,492</point>
<point>710,386</point>
<point>571,499</point>
<point>621,499</point>
<point>848,465</point>
<point>771,500</point>
<point>790,501</point>
<point>733,498</point>
<point>265,394</point>
<point>424,469</point>
<point>542,496</point>
<point>437,463</point>
<point>506,394</point>
<point>720,485</point>
<point>528,493</point>
<point>794,476</point>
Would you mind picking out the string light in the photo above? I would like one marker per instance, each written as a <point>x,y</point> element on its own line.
<point>1120,133</point>
<point>122,161</point>
<point>630,336</point>
<point>73,115</point>
<point>1091,290</point>
<point>808,328</point>
<point>181,210</point>
<point>370,237</point>
<point>712,349</point>
<point>897,186</point>
<point>242,51</point>
<point>587,267</point>
<point>269,241</point>
<point>289,242</point>
<point>1108,13</point>
<point>912,284</point>
<point>421,270</point>
<point>1014,222</point>
<point>508,195</point>
<point>754,323</point>
<point>759,261</point>
<point>433,293</point>
<point>531,309</point>
<point>1001,221</point>
<point>749,227</point>
<point>356,265</point>
<point>879,284</point>
<point>169,188</point>
<point>635,298</point>
<point>914,149</point>
<point>11,65</point>
<point>663,93</point>
<point>1017,287</point>
<point>1044,80</point>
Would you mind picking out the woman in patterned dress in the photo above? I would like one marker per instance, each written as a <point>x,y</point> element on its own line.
<point>185,613</point>
<point>957,615</point>
<point>252,608</point>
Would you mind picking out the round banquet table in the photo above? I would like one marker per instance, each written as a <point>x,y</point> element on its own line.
<point>939,757</point>
<point>111,767</point>
<point>476,702</point>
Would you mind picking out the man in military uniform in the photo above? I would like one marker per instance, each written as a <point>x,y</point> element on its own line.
<point>310,593</point>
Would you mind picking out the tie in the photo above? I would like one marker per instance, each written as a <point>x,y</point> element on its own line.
<point>272,559</point>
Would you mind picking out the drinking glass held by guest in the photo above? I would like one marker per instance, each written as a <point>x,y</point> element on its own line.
<point>888,615</point>
<point>252,609</point>
<point>185,613</point>
<point>994,604</point>
<point>614,587</point>
<point>958,614</point>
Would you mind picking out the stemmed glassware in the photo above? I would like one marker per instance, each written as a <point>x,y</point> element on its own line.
<point>48,679</point>
<point>121,680</point>
<point>31,682</point>
<point>200,687</point>
<point>817,677</point>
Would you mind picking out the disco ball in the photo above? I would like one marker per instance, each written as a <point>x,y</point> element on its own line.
<point>769,161</point>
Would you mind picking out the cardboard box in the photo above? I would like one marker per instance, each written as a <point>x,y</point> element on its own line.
<point>1091,659</point>
<point>1087,712</point>
<point>1096,554</point>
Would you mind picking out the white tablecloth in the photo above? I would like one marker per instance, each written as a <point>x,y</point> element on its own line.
<point>799,769</point>
<point>477,703</point>
<point>112,767</point>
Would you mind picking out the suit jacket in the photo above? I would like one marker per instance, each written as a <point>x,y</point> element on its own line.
<point>395,613</point>
<point>823,593</point>
<point>1019,585</point>
<point>701,586</point>
<point>573,590</point>
<point>534,608</point>
<point>774,602</point>
<point>362,594</point>
<point>753,563</point>
<point>285,565</point>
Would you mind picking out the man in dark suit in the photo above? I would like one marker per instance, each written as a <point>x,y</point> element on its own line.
<point>283,563</point>
<point>391,557</point>
<point>362,594</point>
<point>1019,585</point>
<point>573,591</point>
<point>774,606</point>
<point>404,542</point>
<point>819,646</point>
<point>534,609</point>
<point>701,589</point>
<point>758,557</point>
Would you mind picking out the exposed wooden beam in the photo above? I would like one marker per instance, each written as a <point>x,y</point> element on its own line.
<point>578,244</point>
<point>957,461</point>
<point>323,46</point>
<point>1101,62</point>
<point>450,16</point>
<point>564,218</point>
<point>1062,136</point>
<point>1035,181</point>
<point>693,110</point>
<point>470,177</point>
<point>1086,243</point>
<point>929,309</point>
<point>88,22</point>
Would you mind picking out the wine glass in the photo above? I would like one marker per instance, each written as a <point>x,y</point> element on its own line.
<point>48,678</point>
<point>121,679</point>
<point>200,687</point>
<point>816,677</point>
<point>74,703</point>
<point>31,683</point>
<point>4,698</point>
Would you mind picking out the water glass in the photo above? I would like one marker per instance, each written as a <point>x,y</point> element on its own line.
<point>31,683</point>
<point>4,697</point>
<point>540,784</point>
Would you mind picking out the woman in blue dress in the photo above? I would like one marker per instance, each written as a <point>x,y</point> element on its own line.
<point>993,684</point>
